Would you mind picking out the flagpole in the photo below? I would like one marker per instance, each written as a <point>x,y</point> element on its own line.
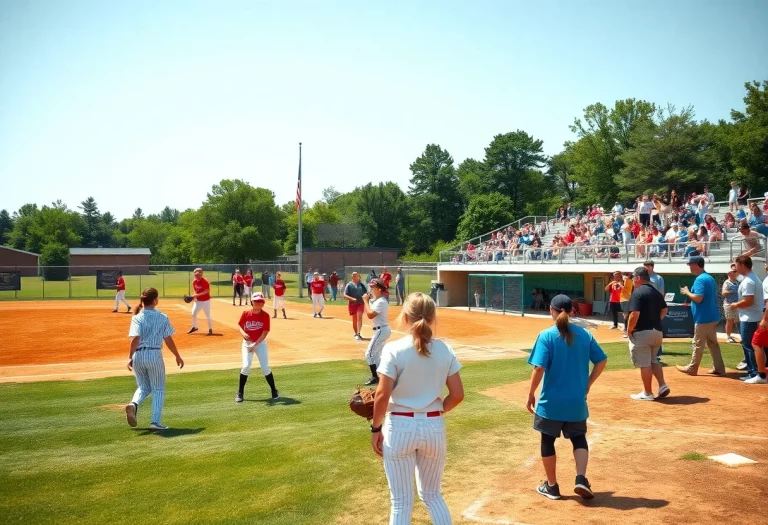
<point>300,248</point>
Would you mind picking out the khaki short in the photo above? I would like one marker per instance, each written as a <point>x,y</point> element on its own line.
<point>643,347</point>
<point>730,313</point>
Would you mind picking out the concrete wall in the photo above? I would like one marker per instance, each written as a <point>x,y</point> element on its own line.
<point>88,264</point>
<point>10,259</point>
<point>456,283</point>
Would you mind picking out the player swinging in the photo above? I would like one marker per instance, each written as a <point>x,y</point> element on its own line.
<point>254,327</point>
<point>376,310</point>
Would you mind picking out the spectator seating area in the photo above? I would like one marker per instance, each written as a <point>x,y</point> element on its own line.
<point>697,227</point>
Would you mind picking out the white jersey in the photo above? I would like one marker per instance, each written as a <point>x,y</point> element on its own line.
<point>381,307</point>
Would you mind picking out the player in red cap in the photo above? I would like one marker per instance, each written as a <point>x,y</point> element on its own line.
<point>254,327</point>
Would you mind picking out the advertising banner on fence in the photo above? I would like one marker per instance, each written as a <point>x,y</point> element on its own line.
<point>678,322</point>
<point>106,279</point>
<point>10,281</point>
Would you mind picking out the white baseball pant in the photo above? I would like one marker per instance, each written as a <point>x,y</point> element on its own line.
<point>261,353</point>
<point>279,302</point>
<point>120,297</point>
<point>149,369</point>
<point>376,345</point>
<point>247,293</point>
<point>318,303</point>
<point>415,444</point>
<point>205,306</point>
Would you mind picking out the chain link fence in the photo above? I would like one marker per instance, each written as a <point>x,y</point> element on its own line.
<point>80,282</point>
<point>415,278</point>
<point>496,292</point>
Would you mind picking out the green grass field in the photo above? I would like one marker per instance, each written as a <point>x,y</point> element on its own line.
<point>169,284</point>
<point>65,458</point>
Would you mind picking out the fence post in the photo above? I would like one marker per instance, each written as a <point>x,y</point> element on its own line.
<point>218,281</point>
<point>163,274</point>
<point>503,295</point>
<point>43,286</point>
<point>522,296</point>
<point>69,270</point>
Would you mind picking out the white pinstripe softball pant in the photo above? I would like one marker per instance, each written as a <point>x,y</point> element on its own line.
<point>149,369</point>
<point>376,345</point>
<point>120,296</point>
<point>415,444</point>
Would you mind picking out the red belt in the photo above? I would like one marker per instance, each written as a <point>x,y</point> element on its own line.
<point>436,413</point>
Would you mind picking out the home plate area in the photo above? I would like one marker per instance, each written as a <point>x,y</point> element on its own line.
<point>650,462</point>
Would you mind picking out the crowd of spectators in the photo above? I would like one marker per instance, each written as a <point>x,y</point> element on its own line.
<point>664,225</point>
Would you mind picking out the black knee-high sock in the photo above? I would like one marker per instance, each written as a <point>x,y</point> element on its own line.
<point>373,370</point>
<point>243,379</point>
<point>271,381</point>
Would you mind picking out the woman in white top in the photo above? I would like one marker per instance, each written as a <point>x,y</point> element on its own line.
<point>413,372</point>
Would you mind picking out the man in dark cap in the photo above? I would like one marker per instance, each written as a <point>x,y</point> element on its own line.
<point>646,310</point>
<point>706,316</point>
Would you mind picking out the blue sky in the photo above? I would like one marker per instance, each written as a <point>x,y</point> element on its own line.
<point>147,104</point>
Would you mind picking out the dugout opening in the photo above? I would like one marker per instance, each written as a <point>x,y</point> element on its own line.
<point>500,292</point>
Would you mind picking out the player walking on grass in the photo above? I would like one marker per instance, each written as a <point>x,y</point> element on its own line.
<point>279,287</point>
<point>120,295</point>
<point>376,310</point>
<point>561,357</point>
<point>254,327</point>
<point>149,329</point>
<point>202,298</point>
<point>353,293</point>
<point>248,281</point>
<point>408,429</point>
<point>317,287</point>
<point>238,283</point>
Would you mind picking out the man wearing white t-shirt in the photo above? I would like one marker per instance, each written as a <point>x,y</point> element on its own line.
<point>376,310</point>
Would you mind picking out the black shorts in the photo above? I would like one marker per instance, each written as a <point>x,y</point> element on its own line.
<point>239,288</point>
<point>553,428</point>
<point>645,219</point>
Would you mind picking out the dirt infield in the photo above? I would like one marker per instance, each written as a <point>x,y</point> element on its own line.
<point>637,458</point>
<point>83,340</point>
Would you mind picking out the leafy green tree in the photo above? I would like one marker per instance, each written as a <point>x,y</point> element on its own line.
<point>381,209</point>
<point>236,223</point>
<point>90,212</point>
<point>330,194</point>
<point>49,225</point>
<point>55,257</point>
<point>435,203</point>
<point>473,179</point>
<point>6,225</point>
<point>150,234</point>
<point>485,213</point>
<point>748,139</point>
<point>560,174</point>
<point>22,221</point>
<point>507,159</point>
<point>138,213</point>
<point>169,215</point>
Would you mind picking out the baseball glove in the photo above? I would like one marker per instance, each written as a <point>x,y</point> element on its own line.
<point>361,402</point>
<point>188,298</point>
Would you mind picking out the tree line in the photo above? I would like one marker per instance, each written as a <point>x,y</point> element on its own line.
<point>617,153</point>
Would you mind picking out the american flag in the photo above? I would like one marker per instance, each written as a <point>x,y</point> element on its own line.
<point>298,185</point>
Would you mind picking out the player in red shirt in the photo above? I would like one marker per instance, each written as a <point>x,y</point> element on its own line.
<point>385,277</point>
<point>279,287</point>
<point>248,279</point>
<point>317,286</point>
<point>614,288</point>
<point>202,298</point>
<point>238,283</point>
<point>120,295</point>
<point>254,327</point>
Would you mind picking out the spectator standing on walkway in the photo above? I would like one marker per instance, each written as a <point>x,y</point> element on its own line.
<point>657,281</point>
<point>626,293</point>
<point>730,293</point>
<point>750,308</point>
<point>614,289</point>
<point>743,196</point>
<point>647,309</point>
<point>706,316</point>
<point>308,278</point>
<point>400,286</point>
<point>733,194</point>
<point>334,282</point>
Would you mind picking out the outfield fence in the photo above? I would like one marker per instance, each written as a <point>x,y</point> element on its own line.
<point>496,292</point>
<point>417,278</point>
<point>80,282</point>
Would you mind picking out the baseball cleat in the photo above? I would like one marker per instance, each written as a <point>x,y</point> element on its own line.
<point>238,398</point>
<point>114,311</point>
<point>192,330</point>
<point>358,337</point>
<point>129,309</point>
<point>210,332</point>
<point>549,491</point>
<point>157,426</point>
<point>583,488</point>
<point>315,316</point>
<point>320,316</point>
<point>275,395</point>
<point>130,414</point>
<point>372,381</point>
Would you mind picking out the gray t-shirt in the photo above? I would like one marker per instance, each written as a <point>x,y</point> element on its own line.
<point>355,290</point>
<point>733,292</point>
<point>751,285</point>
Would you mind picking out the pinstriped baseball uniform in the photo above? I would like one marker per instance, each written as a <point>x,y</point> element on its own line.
<point>416,444</point>
<point>151,327</point>
<point>381,331</point>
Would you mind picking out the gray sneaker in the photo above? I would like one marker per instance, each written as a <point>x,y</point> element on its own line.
<point>157,426</point>
<point>551,492</point>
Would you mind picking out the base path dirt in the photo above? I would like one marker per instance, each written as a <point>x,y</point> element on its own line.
<point>637,466</point>
<point>50,340</point>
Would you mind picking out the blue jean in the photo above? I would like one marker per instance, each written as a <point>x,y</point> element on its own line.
<point>334,289</point>
<point>747,330</point>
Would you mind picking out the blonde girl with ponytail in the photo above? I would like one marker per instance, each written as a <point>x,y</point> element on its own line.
<point>408,430</point>
<point>561,357</point>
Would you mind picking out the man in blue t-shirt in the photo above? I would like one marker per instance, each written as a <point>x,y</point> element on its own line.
<point>561,357</point>
<point>706,316</point>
